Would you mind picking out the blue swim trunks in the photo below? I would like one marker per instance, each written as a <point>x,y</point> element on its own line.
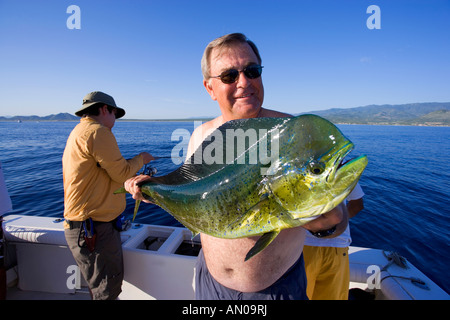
<point>291,286</point>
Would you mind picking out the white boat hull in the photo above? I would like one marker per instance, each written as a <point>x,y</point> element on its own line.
<point>156,269</point>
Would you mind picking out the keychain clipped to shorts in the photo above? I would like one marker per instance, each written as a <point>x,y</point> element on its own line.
<point>89,234</point>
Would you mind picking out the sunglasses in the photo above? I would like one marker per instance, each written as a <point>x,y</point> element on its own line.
<point>230,76</point>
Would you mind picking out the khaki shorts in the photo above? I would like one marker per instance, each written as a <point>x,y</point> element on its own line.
<point>102,268</point>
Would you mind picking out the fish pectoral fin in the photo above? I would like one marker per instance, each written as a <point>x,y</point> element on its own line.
<point>262,243</point>
<point>263,202</point>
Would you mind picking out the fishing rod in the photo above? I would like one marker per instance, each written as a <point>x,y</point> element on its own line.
<point>151,171</point>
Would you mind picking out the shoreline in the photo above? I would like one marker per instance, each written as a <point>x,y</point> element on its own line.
<point>208,119</point>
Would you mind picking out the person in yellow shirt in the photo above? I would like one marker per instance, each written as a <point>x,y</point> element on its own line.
<point>93,168</point>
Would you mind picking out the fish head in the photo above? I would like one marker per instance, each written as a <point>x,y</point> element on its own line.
<point>309,178</point>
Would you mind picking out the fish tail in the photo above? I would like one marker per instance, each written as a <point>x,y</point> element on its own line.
<point>138,202</point>
<point>136,207</point>
<point>120,190</point>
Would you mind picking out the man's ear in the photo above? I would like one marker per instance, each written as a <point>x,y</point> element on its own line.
<point>210,89</point>
<point>104,109</point>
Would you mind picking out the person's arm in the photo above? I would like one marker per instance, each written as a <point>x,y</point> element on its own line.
<point>355,206</point>
<point>106,152</point>
<point>335,221</point>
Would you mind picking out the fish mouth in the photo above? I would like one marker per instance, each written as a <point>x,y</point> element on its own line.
<point>353,166</point>
<point>340,165</point>
<point>337,160</point>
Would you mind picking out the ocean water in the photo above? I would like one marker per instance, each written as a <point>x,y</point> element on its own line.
<point>406,183</point>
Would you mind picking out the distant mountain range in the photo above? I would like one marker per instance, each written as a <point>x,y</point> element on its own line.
<point>53,117</point>
<point>429,113</point>
<point>424,114</point>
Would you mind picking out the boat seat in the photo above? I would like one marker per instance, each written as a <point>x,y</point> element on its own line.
<point>34,229</point>
<point>35,235</point>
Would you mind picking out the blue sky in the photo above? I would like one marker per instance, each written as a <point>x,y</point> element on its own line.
<point>316,54</point>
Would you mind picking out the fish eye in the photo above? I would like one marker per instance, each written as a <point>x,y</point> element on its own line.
<point>316,167</point>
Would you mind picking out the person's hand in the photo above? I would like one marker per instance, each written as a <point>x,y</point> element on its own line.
<point>147,157</point>
<point>132,187</point>
<point>327,220</point>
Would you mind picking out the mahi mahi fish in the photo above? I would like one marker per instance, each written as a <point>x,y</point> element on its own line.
<point>256,177</point>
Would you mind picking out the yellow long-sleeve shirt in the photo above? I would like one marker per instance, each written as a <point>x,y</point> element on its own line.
<point>93,168</point>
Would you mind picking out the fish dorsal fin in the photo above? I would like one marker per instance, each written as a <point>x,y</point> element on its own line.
<point>231,143</point>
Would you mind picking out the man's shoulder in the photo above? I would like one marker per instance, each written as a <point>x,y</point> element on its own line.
<point>91,130</point>
<point>268,113</point>
<point>201,132</point>
<point>204,129</point>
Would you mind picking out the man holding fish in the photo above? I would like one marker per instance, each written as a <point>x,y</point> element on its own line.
<point>231,67</point>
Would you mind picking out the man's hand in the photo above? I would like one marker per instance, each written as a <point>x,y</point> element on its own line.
<point>336,217</point>
<point>131,185</point>
<point>147,157</point>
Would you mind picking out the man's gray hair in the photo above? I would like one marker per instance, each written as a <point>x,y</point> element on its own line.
<point>225,41</point>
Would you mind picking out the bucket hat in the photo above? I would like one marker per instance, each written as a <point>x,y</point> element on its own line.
<point>99,97</point>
